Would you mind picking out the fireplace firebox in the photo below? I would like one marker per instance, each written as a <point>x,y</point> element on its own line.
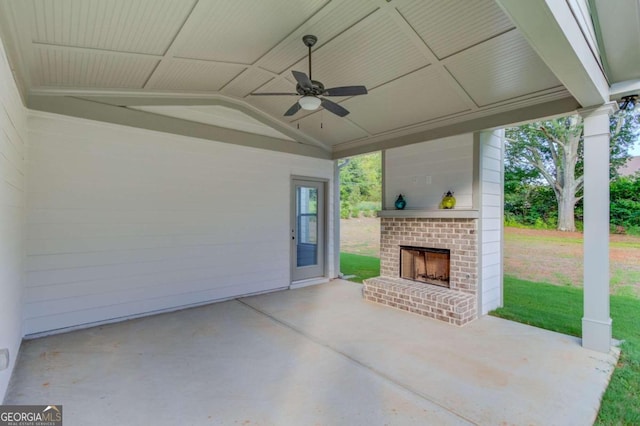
<point>426,265</point>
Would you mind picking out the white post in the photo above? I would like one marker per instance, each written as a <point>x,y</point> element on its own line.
<point>336,220</point>
<point>596,322</point>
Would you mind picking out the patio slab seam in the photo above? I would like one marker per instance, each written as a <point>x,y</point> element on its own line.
<point>359,363</point>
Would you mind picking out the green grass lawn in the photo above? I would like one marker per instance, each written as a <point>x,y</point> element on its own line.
<point>362,267</point>
<point>560,309</point>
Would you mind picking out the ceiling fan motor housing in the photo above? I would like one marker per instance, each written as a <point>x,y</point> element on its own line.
<point>317,89</point>
<point>309,40</point>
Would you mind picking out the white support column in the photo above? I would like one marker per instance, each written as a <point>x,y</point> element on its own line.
<point>596,322</point>
<point>336,220</point>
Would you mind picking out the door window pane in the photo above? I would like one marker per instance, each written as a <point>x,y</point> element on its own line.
<point>307,221</point>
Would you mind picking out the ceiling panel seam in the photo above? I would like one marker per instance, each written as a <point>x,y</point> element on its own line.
<point>284,74</point>
<point>168,53</point>
<point>424,48</point>
<point>93,50</point>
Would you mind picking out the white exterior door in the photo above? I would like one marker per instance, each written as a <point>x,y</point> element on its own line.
<point>307,229</point>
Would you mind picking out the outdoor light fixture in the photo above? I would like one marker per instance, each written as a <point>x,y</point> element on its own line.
<point>628,102</point>
<point>309,102</point>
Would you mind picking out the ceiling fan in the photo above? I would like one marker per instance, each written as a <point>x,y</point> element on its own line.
<point>312,90</point>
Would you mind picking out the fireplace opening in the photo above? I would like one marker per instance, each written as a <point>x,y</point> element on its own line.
<point>426,265</point>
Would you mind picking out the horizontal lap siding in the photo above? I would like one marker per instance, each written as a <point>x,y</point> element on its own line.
<point>447,163</point>
<point>13,141</point>
<point>491,159</point>
<point>124,221</point>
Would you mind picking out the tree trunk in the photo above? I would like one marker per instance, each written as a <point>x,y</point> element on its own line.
<point>566,178</point>
<point>566,216</point>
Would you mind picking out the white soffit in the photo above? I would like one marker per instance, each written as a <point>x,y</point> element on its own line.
<point>620,28</point>
<point>421,96</point>
<point>216,115</point>
<point>450,26</point>
<point>502,68</point>
<point>242,31</point>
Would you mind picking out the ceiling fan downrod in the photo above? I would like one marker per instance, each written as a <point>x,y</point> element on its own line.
<point>309,41</point>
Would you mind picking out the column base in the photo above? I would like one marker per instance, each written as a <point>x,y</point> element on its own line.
<point>596,335</point>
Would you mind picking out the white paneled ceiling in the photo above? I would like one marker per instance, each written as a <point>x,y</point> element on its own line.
<point>195,75</point>
<point>431,95</point>
<point>141,26</point>
<point>372,53</point>
<point>450,26</point>
<point>424,62</point>
<point>241,31</point>
<point>329,128</point>
<point>216,115</point>
<point>83,68</point>
<point>504,67</point>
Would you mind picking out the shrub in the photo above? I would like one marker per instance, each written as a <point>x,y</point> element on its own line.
<point>368,205</point>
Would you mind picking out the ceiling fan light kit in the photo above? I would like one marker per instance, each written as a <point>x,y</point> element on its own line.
<point>309,102</point>
<point>311,90</point>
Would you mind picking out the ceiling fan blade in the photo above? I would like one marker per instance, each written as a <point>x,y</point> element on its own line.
<point>302,79</point>
<point>294,108</point>
<point>275,94</point>
<point>334,108</point>
<point>346,91</point>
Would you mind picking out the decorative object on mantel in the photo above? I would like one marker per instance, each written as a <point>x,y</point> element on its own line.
<point>448,201</point>
<point>400,202</point>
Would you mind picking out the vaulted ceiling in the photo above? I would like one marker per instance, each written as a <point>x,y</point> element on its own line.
<point>429,65</point>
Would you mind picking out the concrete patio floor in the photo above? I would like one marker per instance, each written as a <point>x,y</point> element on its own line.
<point>319,355</point>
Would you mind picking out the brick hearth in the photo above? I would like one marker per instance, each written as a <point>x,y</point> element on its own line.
<point>457,304</point>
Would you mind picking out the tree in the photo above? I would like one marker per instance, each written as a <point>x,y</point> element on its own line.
<point>553,149</point>
<point>625,202</point>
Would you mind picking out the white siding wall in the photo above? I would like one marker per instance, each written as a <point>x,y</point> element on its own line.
<point>491,208</point>
<point>12,182</point>
<point>124,221</point>
<point>447,163</point>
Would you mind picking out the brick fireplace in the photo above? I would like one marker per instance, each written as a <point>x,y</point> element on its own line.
<point>427,289</point>
<point>425,265</point>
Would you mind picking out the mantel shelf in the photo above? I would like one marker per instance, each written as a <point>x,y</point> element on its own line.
<point>432,214</point>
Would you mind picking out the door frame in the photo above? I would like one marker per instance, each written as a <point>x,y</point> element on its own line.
<point>325,234</point>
